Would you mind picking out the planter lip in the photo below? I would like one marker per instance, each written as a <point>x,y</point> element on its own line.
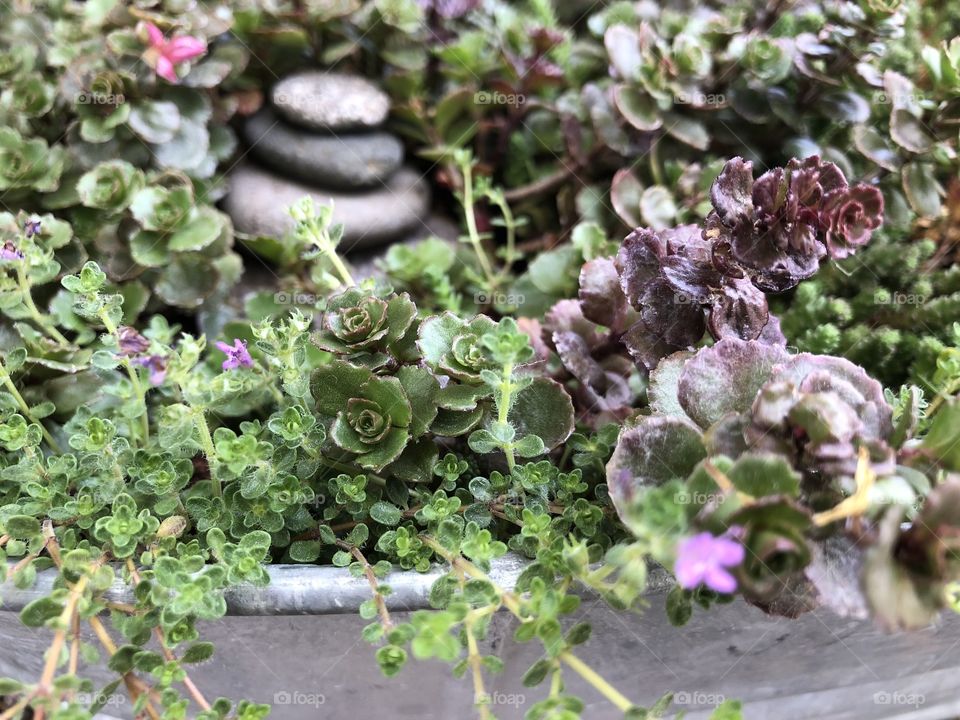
<point>313,589</point>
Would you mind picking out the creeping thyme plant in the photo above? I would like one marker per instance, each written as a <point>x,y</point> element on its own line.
<point>720,393</point>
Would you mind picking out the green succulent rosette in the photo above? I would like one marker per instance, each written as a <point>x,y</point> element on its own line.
<point>162,209</point>
<point>28,164</point>
<point>455,347</point>
<point>29,96</point>
<point>110,186</point>
<point>373,417</point>
<point>366,328</point>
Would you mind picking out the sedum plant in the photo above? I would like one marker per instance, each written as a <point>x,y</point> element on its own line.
<point>181,467</point>
<point>801,464</point>
<point>536,388</point>
<point>195,465</point>
<point>133,166</point>
<point>622,115</point>
<point>666,288</point>
<point>891,309</point>
<point>370,435</point>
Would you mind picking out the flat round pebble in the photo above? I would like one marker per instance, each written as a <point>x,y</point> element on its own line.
<point>340,162</point>
<point>330,101</point>
<point>259,202</point>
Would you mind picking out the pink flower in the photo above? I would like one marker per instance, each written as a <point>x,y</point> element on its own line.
<point>9,251</point>
<point>31,227</point>
<point>703,560</point>
<point>162,54</point>
<point>156,365</point>
<point>131,342</point>
<point>237,355</point>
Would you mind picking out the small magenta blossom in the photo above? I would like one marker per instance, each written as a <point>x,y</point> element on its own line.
<point>703,560</point>
<point>157,367</point>
<point>163,55</point>
<point>9,251</point>
<point>31,228</point>
<point>131,342</point>
<point>237,354</point>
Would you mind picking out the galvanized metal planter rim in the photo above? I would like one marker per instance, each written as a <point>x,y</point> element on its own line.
<point>311,589</point>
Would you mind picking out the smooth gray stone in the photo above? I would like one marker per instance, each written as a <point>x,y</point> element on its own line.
<point>324,100</point>
<point>259,202</point>
<point>340,162</point>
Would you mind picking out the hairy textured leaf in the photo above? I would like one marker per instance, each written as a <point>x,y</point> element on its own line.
<point>654,451</point>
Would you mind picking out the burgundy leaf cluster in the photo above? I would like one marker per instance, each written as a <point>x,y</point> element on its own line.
<point>775,231</point>
<point>591,353</point>
<point>586,334</point>
<point>762,236</point>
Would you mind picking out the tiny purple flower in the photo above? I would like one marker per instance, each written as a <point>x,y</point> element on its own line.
<point>9,251</point>
<point>31,227</point>
<point>237,354</point>
<point>703,559</point>
<point>131,342</point>
<point>156,365</point>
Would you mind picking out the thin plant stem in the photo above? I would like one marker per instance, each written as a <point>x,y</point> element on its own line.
<point>191,687</point>
<point>37,316</point>
<point>317,232</point>
<point>654,157</point>
<point>512,603</point>
<point>504,401</point>
<point>53,548</point>
<point>25,409</point>
<point>378,597</point>
<point>556,682</point>
<point>138,389</point>
<point>597,681</point>
<point>74,646</point>
<point>20,565</point>
<point>12,711</point>
<point>511,225</point>
<point>60,636</point>
<point>129,679</point>
<point>50,543</point>
<point>542,185</point>
<point>942,397</point>
<point>206,441</point>
<point>338,264</point>
<point>471,220</point>
<point>474,660</point>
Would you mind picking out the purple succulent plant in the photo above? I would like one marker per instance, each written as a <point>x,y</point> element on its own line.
<point>779,227</point>
<point>762,236</point>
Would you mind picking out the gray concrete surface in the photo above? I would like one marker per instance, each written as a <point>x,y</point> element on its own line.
<point>316,666</point>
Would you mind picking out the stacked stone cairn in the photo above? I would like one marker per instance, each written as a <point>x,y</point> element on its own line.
<point>321,136</point>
